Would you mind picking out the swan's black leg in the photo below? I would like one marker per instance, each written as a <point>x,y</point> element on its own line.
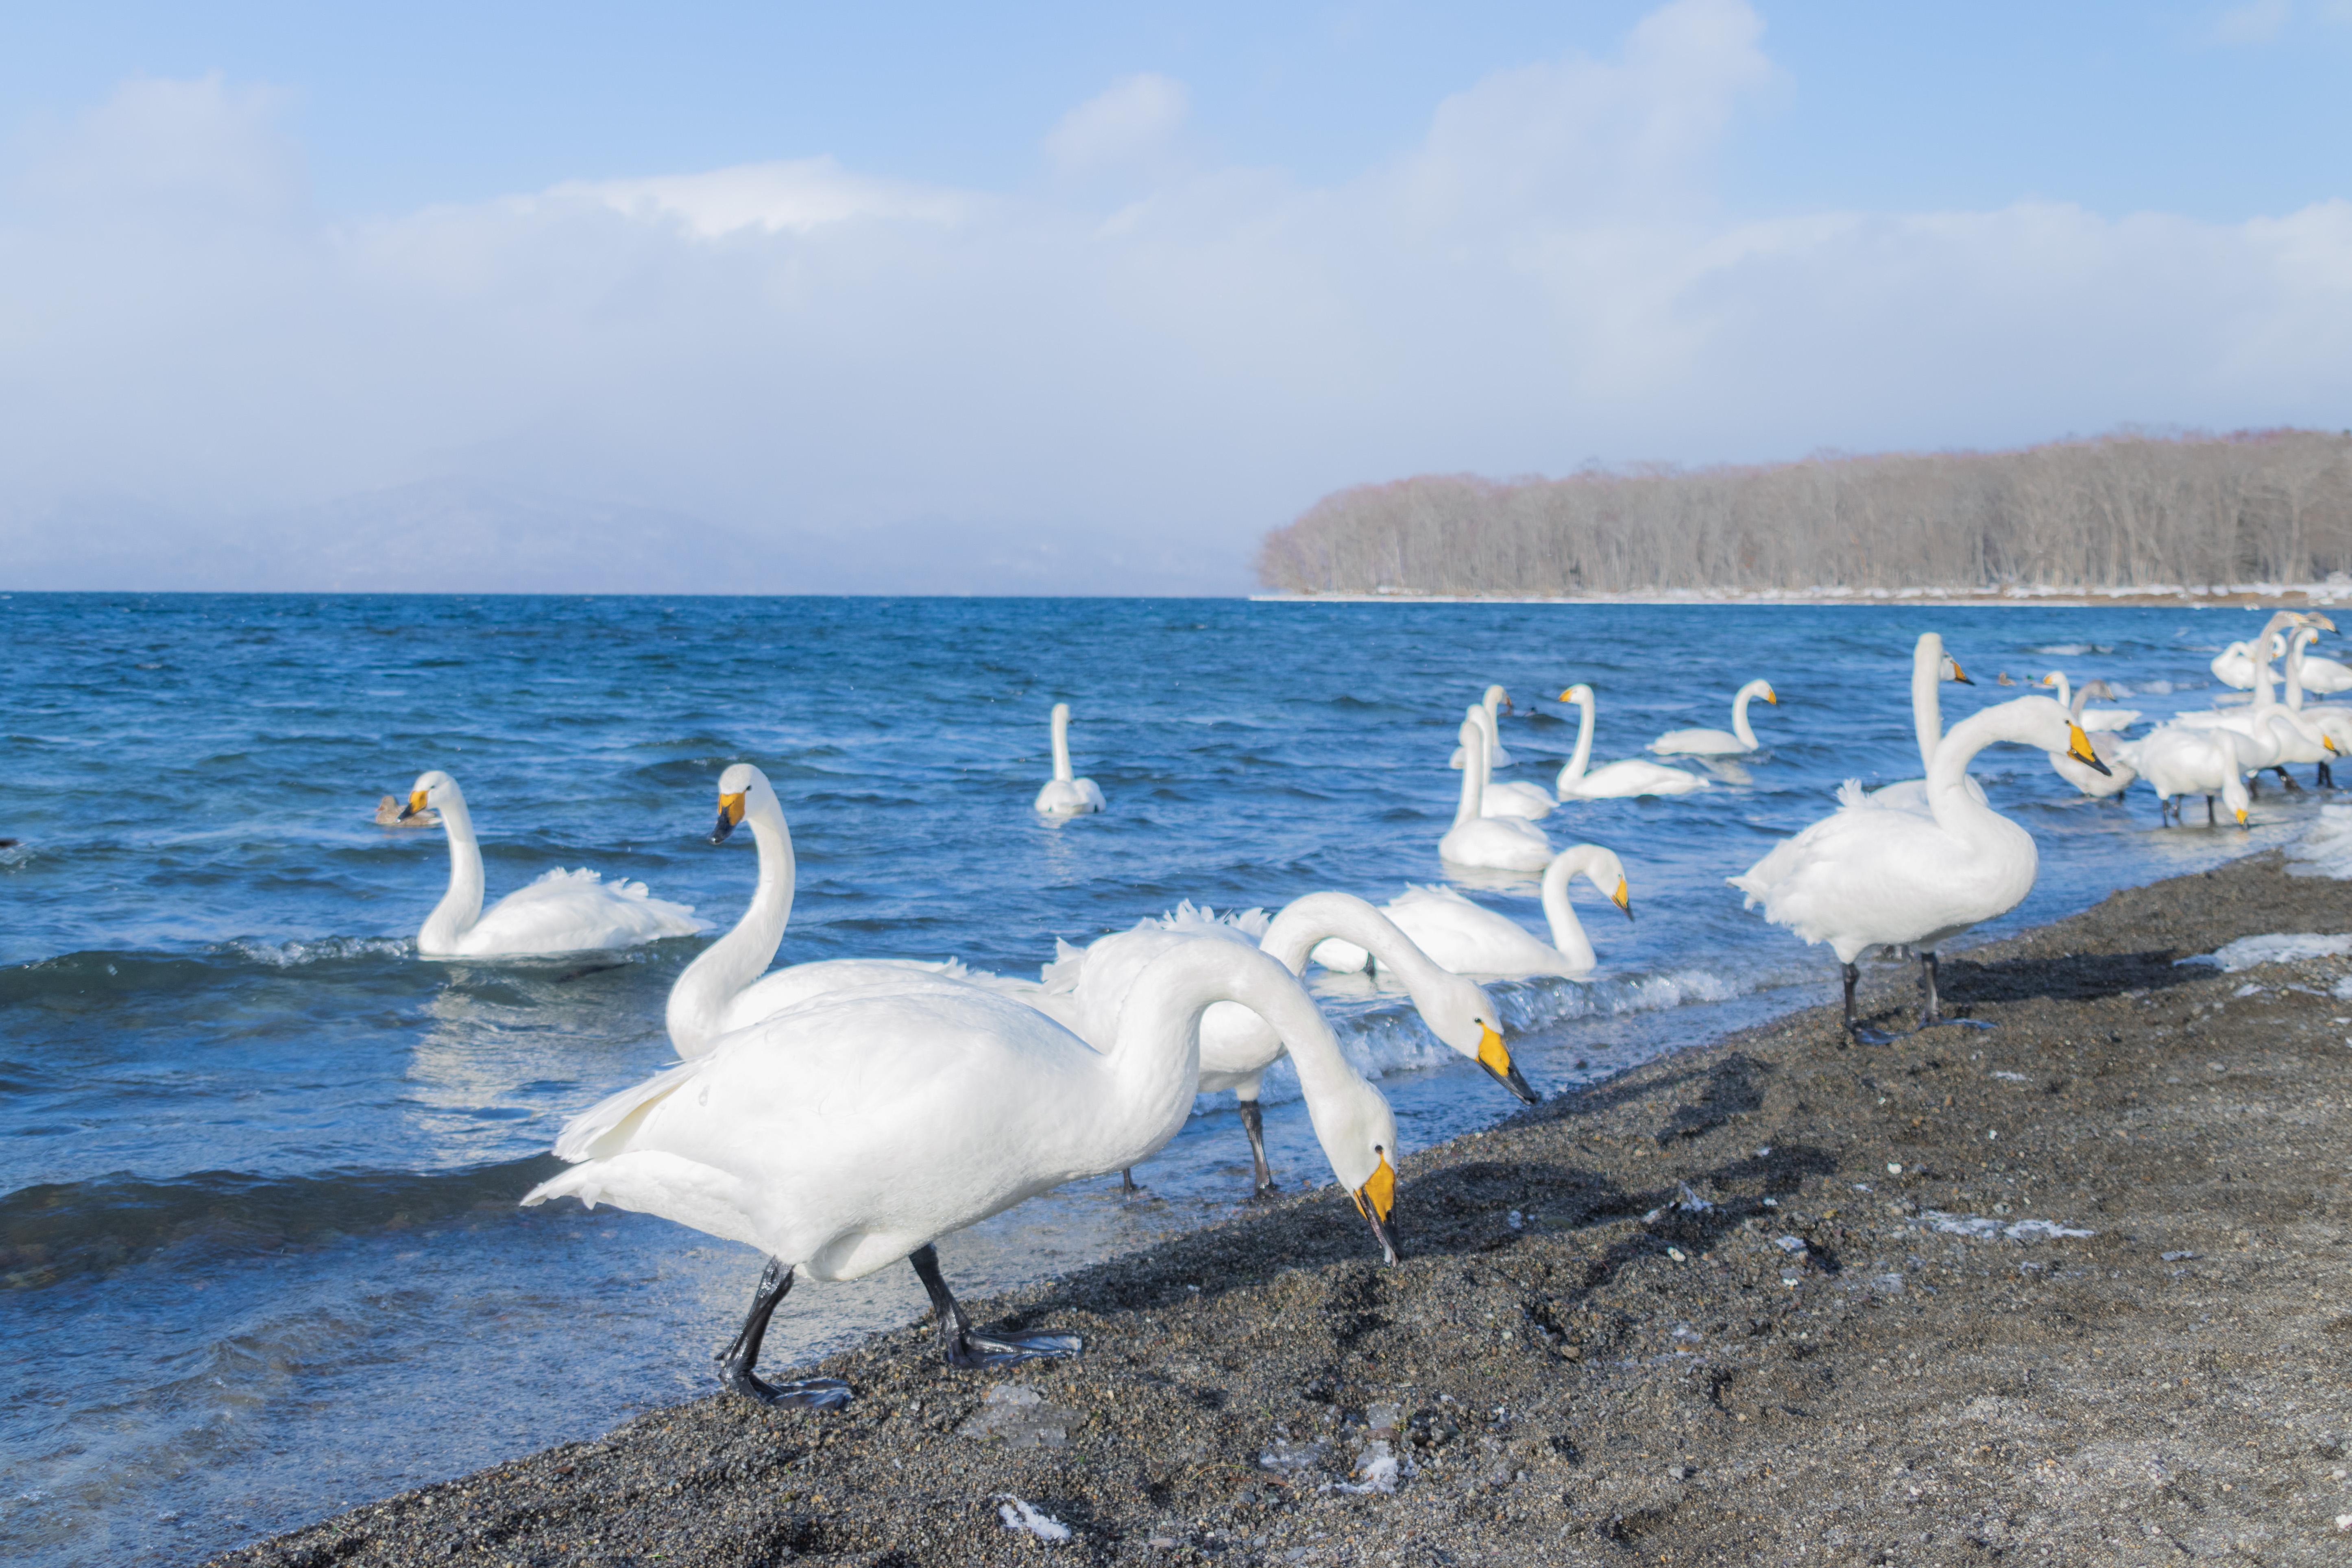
<point>1127,1182</point>
<point>2286,780</point>
<point>739,1358</point>
<point>2325,777</point>
<point>1933,1016</point>
<point>1852,1025</point>
<point>963,1347</point>
<point>2209,811</point>
<point>1254,1123</point>
<point>2253,786</point>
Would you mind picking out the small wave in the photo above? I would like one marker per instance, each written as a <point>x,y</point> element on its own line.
<point>2326,847</point>
<point>2071,649</point>
<point>15,854</point>
<point>319,949</point>
<point>59,1230</point>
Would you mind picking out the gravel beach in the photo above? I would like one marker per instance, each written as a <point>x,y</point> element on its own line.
<point>2075,1288</point>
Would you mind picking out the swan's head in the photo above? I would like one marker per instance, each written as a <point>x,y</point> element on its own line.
<point>431,792</point>
<point>1579,694</point>
<point>1497,698</point>
<point>1759,689</point>
<point>2041,722</point>
<point>1607,873</point>
<point>1463,1015</point>
<point>740,787</point>
<point>1360,1141</point>
<point>1952,671</point>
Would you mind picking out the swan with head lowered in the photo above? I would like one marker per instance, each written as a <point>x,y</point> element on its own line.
<point>563,911</point>
<point>1868,877</point>
<point>2272,733</point>
<point>1237,1046</point>
<point>2176,762</point>
<point>1735,741</point>
<point>1614,781</point>
<point>1064,795</point>
<point>1495,702</point>
<point>856,1129</point>
<point>2117,772</point>
<point>1483,842</point>
<point>1470,938</point>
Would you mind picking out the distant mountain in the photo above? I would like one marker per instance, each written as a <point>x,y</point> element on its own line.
<point>448,536</point>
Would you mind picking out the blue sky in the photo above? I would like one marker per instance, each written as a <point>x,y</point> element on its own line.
<point>1106,276</point>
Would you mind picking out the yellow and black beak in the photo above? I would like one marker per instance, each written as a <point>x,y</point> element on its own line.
<point>2078,746</point>
<point>2242,816</point>
<point>416,805</point>
<point>1960,675</point>
<point>731,816</point>
<point>1624,898</point>
<point>1769,695</point>
<point>1376,1200</point>
<point>1496,1060</point>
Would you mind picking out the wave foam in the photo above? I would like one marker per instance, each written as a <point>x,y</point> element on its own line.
<point>2326,847</point>
<point>295,952</point>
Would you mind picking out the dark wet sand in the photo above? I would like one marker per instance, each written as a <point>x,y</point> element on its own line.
<point>1805,1364</point>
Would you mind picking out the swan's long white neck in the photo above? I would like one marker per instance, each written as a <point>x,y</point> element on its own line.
<point>1305,921</point>
<point>2065,690</point>
<point>2295,646</point>
<point>2265,698</point>
<point>1155,1058</point>
<point>1567,931</point>
<point>1739,717</point>
<point>1956,809</point>
<point>461,905</point>
<point>1473,773</point>
<point>697,1012</point>
<point>1061,742</point>
<point>1577,764</point>
<point>1928,696</point>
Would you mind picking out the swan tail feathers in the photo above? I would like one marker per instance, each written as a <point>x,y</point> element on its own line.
<point>1849,795</point>
<point>1062,974</point>
<point>603,1129</point>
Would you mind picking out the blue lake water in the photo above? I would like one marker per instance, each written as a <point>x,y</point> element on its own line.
<point>259,1255</point>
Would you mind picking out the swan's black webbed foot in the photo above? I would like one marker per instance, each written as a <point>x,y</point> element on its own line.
<point>965,1347</point>
<point>742,1354</point>
<point>1862,1033</point>
<point>1931,1017</point>
<point>1128,1185</point>
<point>1254,1123</point>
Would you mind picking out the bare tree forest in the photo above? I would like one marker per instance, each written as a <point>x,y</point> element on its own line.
<point>2120,511</point>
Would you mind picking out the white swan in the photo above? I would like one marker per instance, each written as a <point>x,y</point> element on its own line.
<point>2176,762</point>
<point>2118,770</point>
<point>729,987</point>
<point>1491,843</point>
<point>2235,664</point>
<point>1237,1046</point>
<point>1064,795</point>
<point>1729,743</point>
<point>1614,781</point>
<point>1495,700</point>
<point>1930,668</point>
<point>2310,673</point>
<point>1470,938</point>
<point>2093,721</point>
<point>1866,876</point>
<point>2332,719</point>
<point>2272,733</point>
<point>1507,798</point>
<point>563,911</point>
<point>855,1131</point>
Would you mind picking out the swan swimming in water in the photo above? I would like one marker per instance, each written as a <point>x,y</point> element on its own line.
<point>858,1129</point>
<point>563,911</point>
<point>1614,781</point>
<point>1471,939</point>
<point>1509,798</point>
<point>2118,773</point>
<point>1489,843</point>
<point>1495,700</point>
<point>1869,876</point>
<point>1064,795</point>
<point>1735,741</point>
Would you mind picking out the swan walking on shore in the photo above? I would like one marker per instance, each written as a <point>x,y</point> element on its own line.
<point>1869,876</point>
<point>1614,781</point>
<point>1735,741</point>
<point>1483,842</point>
<point>1064,795</point>
<point>1471,939</point>
<point>1495,702</point>
<point>563,911</point>
<point>856,1129</point>
<point>1237,1046</point>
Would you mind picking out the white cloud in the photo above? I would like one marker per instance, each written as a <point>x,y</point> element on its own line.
<point>1133,123</point>
<point>859,376</point>
<point>2255,22</point>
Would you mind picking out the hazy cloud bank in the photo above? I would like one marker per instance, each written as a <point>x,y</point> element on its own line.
<point>1112,380</point>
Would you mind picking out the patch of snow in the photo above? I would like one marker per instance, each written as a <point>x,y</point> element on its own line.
<point>1019,1515</point>
<point>2273,947</point>
<point>2326,847</point>
<point>1981,1227</point>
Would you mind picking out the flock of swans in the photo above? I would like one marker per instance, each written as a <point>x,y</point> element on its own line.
<point>843,1115</point>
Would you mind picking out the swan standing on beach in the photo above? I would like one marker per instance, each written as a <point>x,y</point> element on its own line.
<point>1930,668</point>
<point>1867,877</point>
<point>1482,842</point>
<point>1531,802</point>
<point>1614,781</point>
<point>1495,701</point>
<point>1064,795</point>
<point>563,911</point>
<point>849,1132</point>
<point>2177,760</point>
<point>1738,740</point>
<point>1470,938</point>
<point>1237,1046</point>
